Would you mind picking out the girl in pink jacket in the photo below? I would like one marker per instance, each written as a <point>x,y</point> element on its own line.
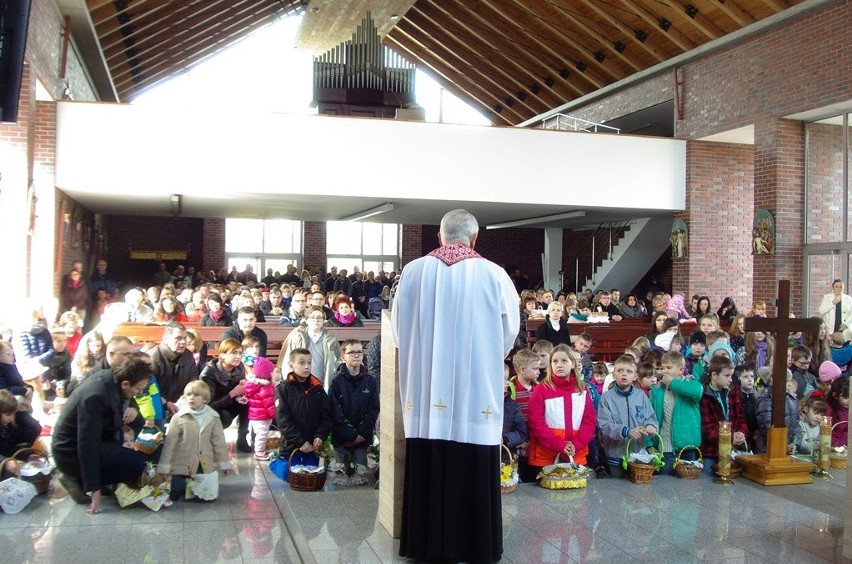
<point>260,393</point>
<point>561,413</point>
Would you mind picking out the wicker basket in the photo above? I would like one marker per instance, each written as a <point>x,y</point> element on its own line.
<point>576,482</point>
<point>688,471</point>
<point>837,460</point>
<point>513,487</point>
<point>304,481</point>
<point>148,446</point>
<point>41,481</point>
<point>273,440</point>
<point>638,472</point>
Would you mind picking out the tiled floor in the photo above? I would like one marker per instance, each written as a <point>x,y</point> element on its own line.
<point>258,519</point>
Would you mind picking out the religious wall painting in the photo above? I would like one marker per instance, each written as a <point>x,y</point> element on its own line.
<point>679,239</point>
<point>77,226</point>
<point>66,226</point>
<point>763,233</point>
<point>88,232</point>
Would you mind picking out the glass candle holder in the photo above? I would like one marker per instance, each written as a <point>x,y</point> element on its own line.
<point>724,465</point>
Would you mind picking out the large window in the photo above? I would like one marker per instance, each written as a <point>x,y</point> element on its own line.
<point>369,246</point>
<point>828,224</point>
<point>263,243</point>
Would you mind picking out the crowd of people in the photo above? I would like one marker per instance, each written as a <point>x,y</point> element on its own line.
<point>97,393</point>
<point>673,386</point>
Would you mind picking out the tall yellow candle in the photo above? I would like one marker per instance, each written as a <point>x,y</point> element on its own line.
<point>824,442</point>
<point>724,449</point>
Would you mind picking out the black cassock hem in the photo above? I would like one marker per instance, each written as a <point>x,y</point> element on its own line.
<point>451,509</point>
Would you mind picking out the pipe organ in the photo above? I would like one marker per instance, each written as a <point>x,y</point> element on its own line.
<point>363,77</point>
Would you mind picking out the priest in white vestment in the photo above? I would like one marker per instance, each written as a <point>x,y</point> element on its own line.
<point>455,318</point>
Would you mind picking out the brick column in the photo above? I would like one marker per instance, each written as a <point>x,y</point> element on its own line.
<point>719,201</point>
<point>412,244</point>
<point>779,187</point>
<point>213,251</point>
<point>314,246</point>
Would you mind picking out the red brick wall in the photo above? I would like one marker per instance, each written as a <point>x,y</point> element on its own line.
<point>213,253</point>
<point>147,233</point>
<point>314,241</point>
<point>412,243</point>
<point>795,67</point>
<point>44,52</point>
<point>510,248</point>
<point>718,262</point>
<point>779,187</point>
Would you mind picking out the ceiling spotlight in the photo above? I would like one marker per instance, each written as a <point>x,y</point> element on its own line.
<point>641,35</point>
<point>498,108</point>
<point>599,56</point>
<point>691,11</point>
<point>535,88</point>
<point>394,16</point>
<point>509,102</point>
<point>665,24</point>
<point>620,47</point>
<point>581,66</point>
<point>564,73</point>
<point>521,96</point>
<point>549,81</point>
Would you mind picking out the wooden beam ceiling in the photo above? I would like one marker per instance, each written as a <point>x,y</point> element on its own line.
<point>514,59</point>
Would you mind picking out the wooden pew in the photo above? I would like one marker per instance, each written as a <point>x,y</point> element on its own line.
<point>276,334</point>
<point>608,339</point>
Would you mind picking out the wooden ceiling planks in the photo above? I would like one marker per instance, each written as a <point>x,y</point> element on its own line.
<point>514,59</point>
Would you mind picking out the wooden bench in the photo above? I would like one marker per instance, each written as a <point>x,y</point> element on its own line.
<point>276,334</point>
<point>608,339</point>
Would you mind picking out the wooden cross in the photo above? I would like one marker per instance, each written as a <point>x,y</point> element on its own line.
<point>781,326</point>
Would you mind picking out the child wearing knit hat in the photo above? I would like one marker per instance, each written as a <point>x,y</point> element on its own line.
<point>261,401</point>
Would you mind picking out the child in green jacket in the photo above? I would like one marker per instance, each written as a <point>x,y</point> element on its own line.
<point>675,401</point>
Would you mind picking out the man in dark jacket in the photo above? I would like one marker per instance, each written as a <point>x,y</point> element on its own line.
<point>174,366</point>
<point>246,320</point>
<point>88,435</point>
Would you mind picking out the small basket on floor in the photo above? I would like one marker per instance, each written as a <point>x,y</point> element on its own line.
<point>304,481</point>
<point>684,469</point>
<point>837,458</point>
<point>508,473</point>
<point>37,470</point>
<point>273,440</point>
<point>148,440</point>
<point>562,476</point>
<point>641,472</point>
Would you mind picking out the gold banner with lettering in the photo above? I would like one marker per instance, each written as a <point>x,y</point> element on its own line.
<point>158,255</point>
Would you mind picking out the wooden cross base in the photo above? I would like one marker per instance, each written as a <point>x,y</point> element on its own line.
<point>776,468</point>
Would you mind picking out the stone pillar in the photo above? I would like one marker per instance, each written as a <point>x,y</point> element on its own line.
<point>552,262</point>
<point>391,435</point>
<point>779,187</point>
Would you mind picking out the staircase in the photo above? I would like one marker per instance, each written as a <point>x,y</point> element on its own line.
<point>640,245</point>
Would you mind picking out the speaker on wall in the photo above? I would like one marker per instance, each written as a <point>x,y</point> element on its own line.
<point>14,20</point>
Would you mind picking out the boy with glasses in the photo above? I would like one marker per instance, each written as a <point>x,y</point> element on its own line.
<point>355,403</point>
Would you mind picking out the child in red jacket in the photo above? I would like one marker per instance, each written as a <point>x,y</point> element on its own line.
<point>561,413</point>
<point>261,401</point>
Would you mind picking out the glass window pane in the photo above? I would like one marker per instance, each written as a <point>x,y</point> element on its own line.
<point>822,269</point>
<point>825,152</point>
<point>343,237</point>
<point>282,236</point>
<point>243,235</point>
<point>389,241</point>
<point>342,262</point>
<point>372,238</point>
<point>279,265</point>
<point>241,262</point>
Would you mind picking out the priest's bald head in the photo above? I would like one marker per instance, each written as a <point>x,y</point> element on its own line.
<point>459,227</point>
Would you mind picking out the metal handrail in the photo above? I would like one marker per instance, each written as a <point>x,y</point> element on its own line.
<point>562,122</point>
<point>609,227</point>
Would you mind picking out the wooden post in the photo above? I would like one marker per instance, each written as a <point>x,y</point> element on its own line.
<point>776,467</point>
<point>391,435</point>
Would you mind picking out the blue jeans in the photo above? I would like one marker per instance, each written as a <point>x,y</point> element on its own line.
<point>356,455</point>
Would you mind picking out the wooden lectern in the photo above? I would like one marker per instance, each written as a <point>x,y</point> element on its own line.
<point>777,467</point>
